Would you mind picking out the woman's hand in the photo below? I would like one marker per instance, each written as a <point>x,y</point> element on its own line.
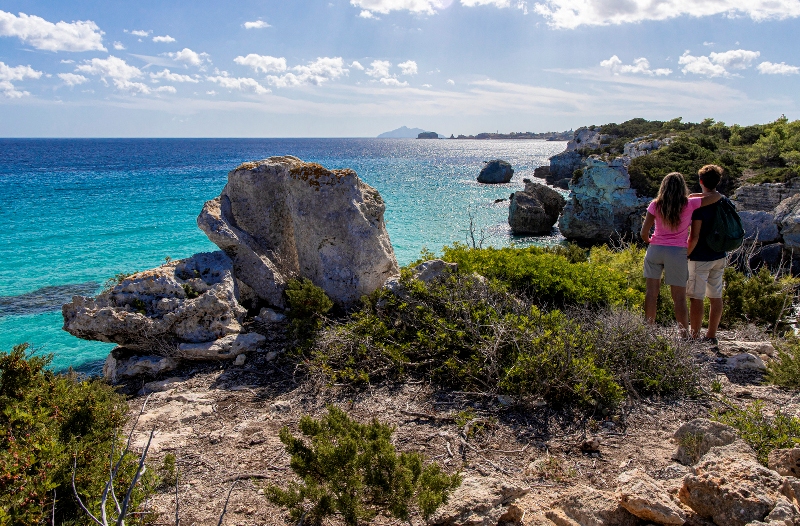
<point>649,221</point>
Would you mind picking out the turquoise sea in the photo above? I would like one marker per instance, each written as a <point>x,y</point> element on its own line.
<point>74,212</point>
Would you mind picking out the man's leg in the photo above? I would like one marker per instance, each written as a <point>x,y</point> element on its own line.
<point>714,315</point>
<point>696,311</point>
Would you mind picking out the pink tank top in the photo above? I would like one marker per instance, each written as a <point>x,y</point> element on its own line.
<point>666,236</point>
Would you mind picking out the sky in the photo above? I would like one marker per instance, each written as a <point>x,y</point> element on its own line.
<point>357,68</point>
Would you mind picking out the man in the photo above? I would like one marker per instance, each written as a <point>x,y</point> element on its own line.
<point>705,265</point>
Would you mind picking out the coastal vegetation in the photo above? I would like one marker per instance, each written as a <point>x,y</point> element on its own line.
<point>756,154</point>
<point>52,428</point>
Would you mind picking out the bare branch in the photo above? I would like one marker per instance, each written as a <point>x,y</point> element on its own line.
<point>126,501</point>
<point>225,508</point>
<point>75,491</point>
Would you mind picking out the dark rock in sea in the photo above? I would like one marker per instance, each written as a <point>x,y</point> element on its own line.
<point>495,172</point>
<point>500,200</point>
<point>428,135</point>
<point>562,166</point>
<point>534,210</point>
<point>45,299</point>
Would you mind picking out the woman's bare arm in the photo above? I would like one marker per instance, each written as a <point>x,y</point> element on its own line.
<point>694,235</point>
<point>649,221</point>
<point>710,199</point>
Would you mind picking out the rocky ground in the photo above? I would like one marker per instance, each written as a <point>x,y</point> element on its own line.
<point>521,461</point>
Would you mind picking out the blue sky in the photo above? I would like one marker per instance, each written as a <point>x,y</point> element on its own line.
<point>361,67</point>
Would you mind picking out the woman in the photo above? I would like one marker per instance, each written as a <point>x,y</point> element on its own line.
<point>671,212</point>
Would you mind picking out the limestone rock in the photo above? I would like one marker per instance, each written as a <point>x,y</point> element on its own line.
<point>534,210</point>
<point>483,501</point>
<point>785,461</point>
<point>696,437</point>
<point>585,138</point>
<point>190,300</point>
<point>157,386</point>
<point>602,205</point>
<point>759,225</point>
<point>281,218</point>
<point>122,364</point>
<point>730,487</point>
<point>765,196</point>
<point>644,497</point>
<point>222,349</point>
<point>587,506</point>
<point>562,167</point>
<point>734,347</point>
<point>429,271</point>
<point>787,217</point>
<point>643,145</point>
<point>496,171</point>
<point>746,362</point>
<point>268,315</point>
<point>239,361</point>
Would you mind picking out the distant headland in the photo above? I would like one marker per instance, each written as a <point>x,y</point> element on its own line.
<point>404,132</point>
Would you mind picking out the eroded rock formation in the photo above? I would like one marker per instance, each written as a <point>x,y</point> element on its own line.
<point>281,218</point>
<point>495,172</point>
<point>534,210</point>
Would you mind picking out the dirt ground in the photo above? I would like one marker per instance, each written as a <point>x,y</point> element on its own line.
<point>222,421</point>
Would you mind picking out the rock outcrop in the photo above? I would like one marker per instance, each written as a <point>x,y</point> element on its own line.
<point>282,218</point>
<point>644,497</point>
<point>602,205</point>
<point>484,501</point>
<point>764,197</point>
<point>496,172</point>
<point>586,506</point>
<point>696,437</point>
<point>187,301</point>
<point>534,210</point>
<point>562,167</point>
<point>787,217</point>
<point>759,226</point>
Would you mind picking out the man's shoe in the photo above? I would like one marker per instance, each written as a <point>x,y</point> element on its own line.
<point>710,341</point>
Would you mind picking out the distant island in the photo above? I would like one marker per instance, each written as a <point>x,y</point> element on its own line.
<point>547,136</point>
<point>404,132</point>
<point>428,135</point>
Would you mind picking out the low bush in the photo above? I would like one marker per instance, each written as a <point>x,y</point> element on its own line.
<point>551,278</point>
<point>353,470</point>
<point>307,305</point>
<point>763,433</point>
<point>761,299</point>
<point>785,371</point>
<point>470,333</point>
<point>46,421</point>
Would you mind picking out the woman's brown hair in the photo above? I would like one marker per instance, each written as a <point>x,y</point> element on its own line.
<point>672,196</point>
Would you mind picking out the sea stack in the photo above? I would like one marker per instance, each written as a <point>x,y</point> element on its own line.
<point>496,172</point>
<point>534,210</point>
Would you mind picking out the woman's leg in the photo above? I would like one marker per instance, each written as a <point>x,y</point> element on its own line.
<point>651,299</point>
<point>681,312</point>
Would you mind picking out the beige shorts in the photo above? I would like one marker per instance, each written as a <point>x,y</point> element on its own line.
<point>705,279</point>
<point>671,261</point>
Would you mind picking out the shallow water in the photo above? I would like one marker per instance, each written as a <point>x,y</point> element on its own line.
<point>77,211</point>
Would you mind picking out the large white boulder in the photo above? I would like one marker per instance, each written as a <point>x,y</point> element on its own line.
<point>191,300</point>
<point>281,218</point>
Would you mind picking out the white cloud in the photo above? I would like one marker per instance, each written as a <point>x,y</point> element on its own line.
<point>701,66</point>
<point>569,14</point>
<point>263,63</point>
<point>211,92</point>
<point>386,6</point>
<point>120,72</point>
<point>379,69</point>
<point>241,84</point>
<point>393,82</point>
<point>357,65</point>
<point>167,75</point>
<point>10,74</point>
<point>451,82</point>
<point>427,86</point>
<point>119,46</point>
<point>139,32</point>
<point>166,38</point>
<point>67,61</point>
<point>522,4</point>
<point>734,58</point>
<point>256,24</point>
<point>409,67</point>
<point>167,89</point>
<point>190,57</point>
<point>83,35</point>
<point>708,43</point>
<point>316,73</point>
<point>72,79</point>
<point>770,68</point>
<point>640,65</point>
<point>367,14</point>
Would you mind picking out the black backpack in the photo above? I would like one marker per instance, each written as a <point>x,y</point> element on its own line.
<point>726,232</point>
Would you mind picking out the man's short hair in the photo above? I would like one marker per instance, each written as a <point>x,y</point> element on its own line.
<point>710,175</point>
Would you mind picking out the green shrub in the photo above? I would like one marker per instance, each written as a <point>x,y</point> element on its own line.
<point>548,277</point>
<point>472,334</point>
<point>46,420</point>
<point>352,469</point>
<point>785,371</point>
<point>761,432</point>
<point>307,304</point>
<point>760,299</point>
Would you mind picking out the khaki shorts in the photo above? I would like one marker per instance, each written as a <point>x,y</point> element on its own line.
<point>671,261</point>
<point>705,277</point>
